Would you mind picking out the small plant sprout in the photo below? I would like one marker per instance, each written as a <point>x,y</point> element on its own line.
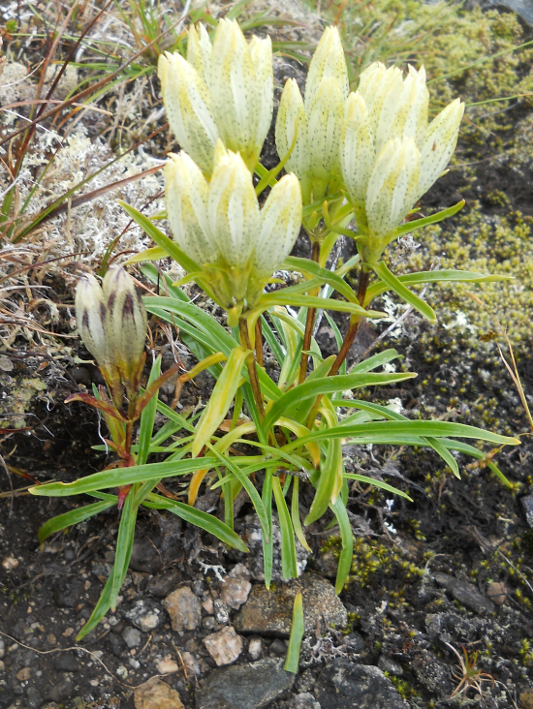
<point>468,675</point>
<point>222,91</point>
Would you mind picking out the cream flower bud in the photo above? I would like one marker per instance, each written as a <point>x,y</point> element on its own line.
<point>325,119</point>
<point>186,193</point>
<point>91,316</point>
<point>328,63</point>
<point>188,106</point>
<point>439,144</point>
<point>291,120</point>
<point>238,92</point>
<point>126,321</point>
<point>281,218</point>
<point>199,52</point>
<point>233,210</point>
<point>357,154</point>
<point>392,186</point>
<point>412,119</point>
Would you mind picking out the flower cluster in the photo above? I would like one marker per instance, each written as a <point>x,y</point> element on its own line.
<point>220,226</point>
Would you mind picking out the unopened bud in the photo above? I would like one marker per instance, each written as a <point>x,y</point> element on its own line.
<point>91,314</point>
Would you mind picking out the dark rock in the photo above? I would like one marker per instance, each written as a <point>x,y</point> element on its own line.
<point>162,584</point>
<point>250,686</point>
<point>527,504</point>
<point>7,697</point>
<point>66,662</point>
<point>465,593</point>
<point>270,612</point>
<point>67,593</point>
<point>145,556</point>
<point>343,685</point>
<point>116,644</point>
<point>33,697</point>
<point>60,691</point>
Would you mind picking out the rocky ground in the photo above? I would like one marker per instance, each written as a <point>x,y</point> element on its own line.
<point>438,609</point>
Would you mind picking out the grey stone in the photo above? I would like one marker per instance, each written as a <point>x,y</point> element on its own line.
<point>221,611</point>
<point>33,697</point>
<point>527,504</point>
<point>268,612</point>
<point>145,615</point>
<point>465,593</point>
<point>249,686</point>
<point>305,700</point>
<point>162,584</point>
<point>60,691</point>
<point>390,666</point>
<point>184,609</point>
<point>132,637</point>
<point>343,685</point>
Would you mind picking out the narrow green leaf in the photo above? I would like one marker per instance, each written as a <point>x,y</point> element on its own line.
<point>295,514</point>
<point>201,519</point>
<point>126,534</point>
<point>377,360</point>
<point>432,219</point>
<point>268,540</point>
<point>289,567</point>
<point>345,558</point>
<point>220,399</point>
<point>123,476</point>
<point>328,385</point>
<point>297,632</point>
<point>101,608</point>
<point>405,294</point>
<point>326,489</point>
<point>311,301</point>
<point>304,265</point>
<point>377,483</point>
<point>56,524</point>
<point>148,416</point>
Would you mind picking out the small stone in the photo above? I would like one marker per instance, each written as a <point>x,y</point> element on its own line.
<point>248,686</point>
<point>156,694</point>
<point>162,584</point>
<point>167,666</point>
<point>224,647</point>
<point>278,647</point>
<point>184,609</point>
<point>33,698</point>
<point>390,666</point>
<point>68,632</point>
<point>132,637</point>
<point>268,612</point>
<point>144,615</point>
<point>497,593</point>
<point>191,663</point>
<point>305,701</point>
<point>465,593</point>
<point>527,504</point>
<point>9,563</point>
<point>208,607</point>
<point>526,699</point>
<point>24,674</point>
<point>221,611</point>
<point>66,662</point>
<point>235,592</point>
<point>255,648</point>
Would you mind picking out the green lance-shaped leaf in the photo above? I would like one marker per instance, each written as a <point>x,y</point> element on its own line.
<point>220,401</point>
<point>56,524</point>
<point>345,558</point>
<point>148,417</point>
<point>289,567</point>
<point>297,632</point>
<point>405,294</point>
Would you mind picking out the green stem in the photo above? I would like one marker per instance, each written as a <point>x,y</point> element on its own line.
<point>251,365</point>
<point>309,324</point>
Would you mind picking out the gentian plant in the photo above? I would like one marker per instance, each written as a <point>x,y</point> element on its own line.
<point>360,159</point>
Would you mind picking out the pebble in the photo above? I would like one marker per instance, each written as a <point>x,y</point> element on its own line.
<point>208,606</point>
<point>221,611</point>
<point>9,563</point>
<point>236,587</point>
<point>144,615</point>
<point>167,666</point>
<point>465,593</point>
<point>66,662</point>
<point>162,584</point>
<point>248,686</point>
<point>156,694</point>
<point>344,685</point>
<point>224,647</point>
<point>132,637</point>
<point>184,609</point>
<point>24,674</point>
<point>527,504</point>
<point>191,663</point>
<point>391,666</point>
<point>255,648</point>
<point>497,592</point>
<point>305,701</point>
<point>268,612</point>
